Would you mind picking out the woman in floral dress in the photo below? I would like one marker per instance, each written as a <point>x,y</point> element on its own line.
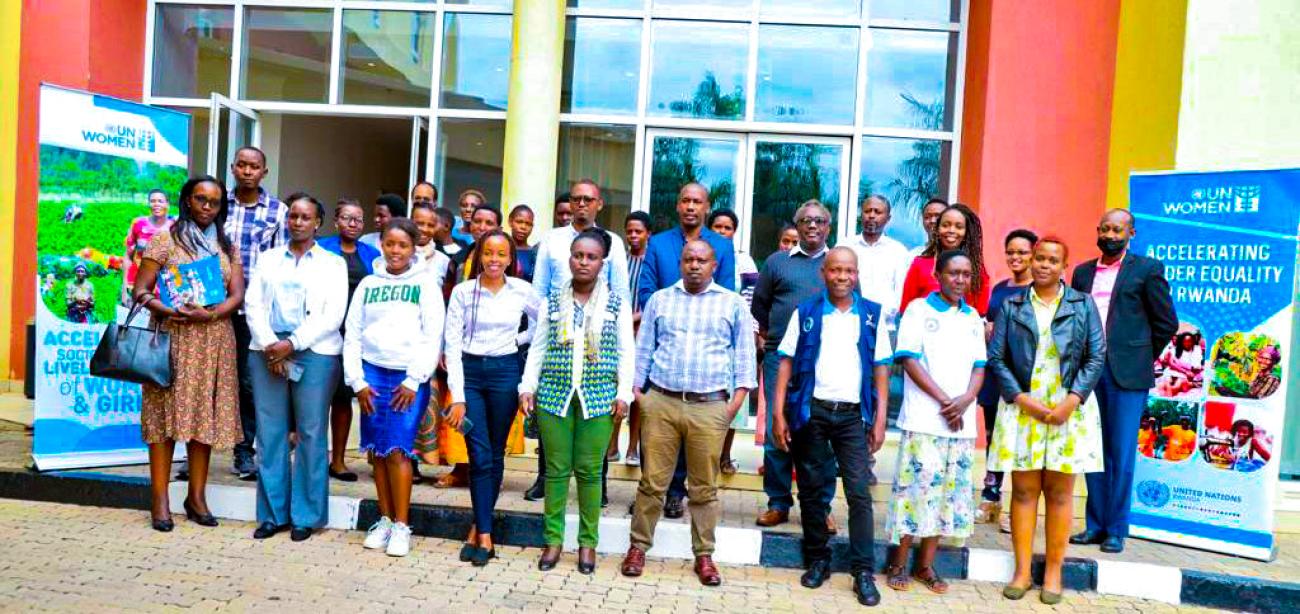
<point>201,407</point>
<point>1048,350</point>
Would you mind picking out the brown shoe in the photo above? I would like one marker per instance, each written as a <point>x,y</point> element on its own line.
<point>772,517</point>
<point>707,571</point>
<point>633,562</point>
<point>831,527</point>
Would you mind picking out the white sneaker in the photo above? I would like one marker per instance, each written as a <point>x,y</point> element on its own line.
<point>377,536</point>
<point>399,541</point>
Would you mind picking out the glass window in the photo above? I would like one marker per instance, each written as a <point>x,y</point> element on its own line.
<point>679,160</point>
<point>927,10</point>
<point>469,156</point>
<point>910,78</point>
<point>811,9</point>
<point>387,58</point>
<point>497,3</point>
<point>602,153</point>
<point>608,4</point>
<point>287,54</point>
<point>602,62</point>
<point>191,50</point>
<point>709,5</point>
<point>198,162</point>
<point>476,61</point>
<point>908,172</point>
<point>806,74</point>
<point>699,69</point>
<point>785,175</point>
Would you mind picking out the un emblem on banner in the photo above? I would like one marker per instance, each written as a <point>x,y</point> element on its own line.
<point>1152,493</point>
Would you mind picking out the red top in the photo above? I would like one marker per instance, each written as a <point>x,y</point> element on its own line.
<point>920,282</point>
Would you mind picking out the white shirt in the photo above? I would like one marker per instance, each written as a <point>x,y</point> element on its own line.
<point>838,377</point>
<point>435,263</point>
<point>395,322</point>
<point>485,324</point>
<point>948,342</point>
<point>552,269</point>
<point>882,267</point>
<point>306,297</point>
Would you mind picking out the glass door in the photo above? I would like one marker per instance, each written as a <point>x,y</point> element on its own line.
<point>678,157</point>
<point>231,125</point>
<point>419,149</point>
<point>786,171</point>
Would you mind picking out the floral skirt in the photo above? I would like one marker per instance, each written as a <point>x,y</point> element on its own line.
<point>933,492</point>
<point>1022,443</point>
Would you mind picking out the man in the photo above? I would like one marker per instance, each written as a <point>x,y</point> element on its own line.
<point>929,218</point>
<point>694,366</point>
<point>444,242</point>
<point>661,269</point>
<point>636,228</point>
<point>788,279</point>
<point>469,200</point>
<point>387,207</point>
<point>1137,311</point>
<point>424,194</point>
<point>563,215</point>
<point>255,224</point>
<point>882,261</point>
<point>834,367</point>
<point>553,250</point>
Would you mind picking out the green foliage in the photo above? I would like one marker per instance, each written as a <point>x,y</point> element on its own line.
<point>1167,411</point>
<point>107,292</point>
<point>69,171</point>
<point>103,226</point>
<point>710,102</point>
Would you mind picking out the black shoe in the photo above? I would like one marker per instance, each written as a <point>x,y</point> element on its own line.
<point>604,499</point>
<point>182,475</point>
<point>673,508</point>
<point>864,586</point>
<point>481,556</point>
<point>416,476</point>
<point>248,476</point>
<point>343,476</point>
<point>1087,538</point>
<point>1113,545</point>
<point>586,561</point>
<point>267,529</point>
<point>301,534</point>
<point>205,520</point>
<point>467,552</point>
<point>550,556</point>
<point>536,492</point>
<point>163,525</point>
<point>817,573</point>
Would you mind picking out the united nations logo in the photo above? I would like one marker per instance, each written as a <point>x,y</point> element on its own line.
<point>1152,493</point>
<point>931,325</point>
<point>807,325</point>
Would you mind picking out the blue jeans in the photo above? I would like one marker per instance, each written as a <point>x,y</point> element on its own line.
<point>1111,491</point>
<point>778,467</point>
<point>491,401</point>
<point>294,493</point>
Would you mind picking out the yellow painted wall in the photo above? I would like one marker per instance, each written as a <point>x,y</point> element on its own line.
<point>10,44</point>
<point>1148,80</point>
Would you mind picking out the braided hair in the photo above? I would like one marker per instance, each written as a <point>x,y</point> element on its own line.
<point>972,243</point>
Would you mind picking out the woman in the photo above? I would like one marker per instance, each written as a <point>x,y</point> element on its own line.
<point>468,201</point>
<point>585,320</point>
<point>427,254</point>
<point>787,238</point>
<point>294,306</point>
<point>142,231</point>
<point>1247,453</point>
<point>1182,364</point>
<point>958,228</point>
<point>483,371</point>
<point>941,346</point>
<point>1019,247</point>
<point>483,220</point>
<point>521,227</point>
<point>79,296</point>
<point>201,406</point>
<point>1264,383</point>
<point>1048,350</point>
<point>725,222</point>
<point>392,344</point>
<point>350,220</point>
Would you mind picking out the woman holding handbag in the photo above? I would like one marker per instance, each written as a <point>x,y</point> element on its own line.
<point>201,407</point>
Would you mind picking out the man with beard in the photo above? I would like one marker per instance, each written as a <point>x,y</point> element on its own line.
<point>882,261</point>
<point>1137,312</point>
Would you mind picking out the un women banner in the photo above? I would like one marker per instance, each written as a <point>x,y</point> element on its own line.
<point>103,162</point>
<point>1211,436</point>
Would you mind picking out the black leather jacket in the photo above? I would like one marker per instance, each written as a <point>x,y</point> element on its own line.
<point>1079,337</point>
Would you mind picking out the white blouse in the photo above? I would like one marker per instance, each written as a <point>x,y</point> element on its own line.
<point>482,323</point>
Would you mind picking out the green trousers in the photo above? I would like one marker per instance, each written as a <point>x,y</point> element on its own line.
<point>574,447</point>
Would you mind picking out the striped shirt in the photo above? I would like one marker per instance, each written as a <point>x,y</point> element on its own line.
<point>696,342</point>
<point>256,228</point>
<point>633,274</point>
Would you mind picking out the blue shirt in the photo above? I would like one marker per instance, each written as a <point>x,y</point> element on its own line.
<point>663,258</point>
<point>696,342</point>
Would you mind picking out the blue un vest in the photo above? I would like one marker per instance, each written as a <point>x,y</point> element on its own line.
<point>799,394</point>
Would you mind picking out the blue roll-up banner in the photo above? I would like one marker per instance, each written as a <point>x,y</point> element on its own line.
<point>1211,438</point>
<point>99,159</point>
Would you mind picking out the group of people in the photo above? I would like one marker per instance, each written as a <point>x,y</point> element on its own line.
<point>453,315</point>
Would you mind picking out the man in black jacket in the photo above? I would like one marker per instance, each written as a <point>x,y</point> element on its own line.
<point>1137,312</point>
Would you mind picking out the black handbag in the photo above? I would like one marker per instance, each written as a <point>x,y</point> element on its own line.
<point>140,355</point>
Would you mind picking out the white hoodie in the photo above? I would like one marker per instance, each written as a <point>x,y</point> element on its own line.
<point>395,322</point>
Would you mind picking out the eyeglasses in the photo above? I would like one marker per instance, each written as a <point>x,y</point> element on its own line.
<point>581,200</point>
<point>204,201</point>
<point>814,221</point>
<point>350,219</point>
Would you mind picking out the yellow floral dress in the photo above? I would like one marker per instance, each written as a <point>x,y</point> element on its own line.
<point>1022,443</point>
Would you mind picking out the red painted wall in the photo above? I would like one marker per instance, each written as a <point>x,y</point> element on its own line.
<point>94,45</point>
<point>1036,122</point>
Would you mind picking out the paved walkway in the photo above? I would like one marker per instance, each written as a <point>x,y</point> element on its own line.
<point>71,558</point>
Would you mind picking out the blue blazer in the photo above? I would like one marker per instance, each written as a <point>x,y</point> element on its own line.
<point>364,250</point>
<point>663,257</point>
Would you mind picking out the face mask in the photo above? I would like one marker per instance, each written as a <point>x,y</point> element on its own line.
<point>1111,247</point>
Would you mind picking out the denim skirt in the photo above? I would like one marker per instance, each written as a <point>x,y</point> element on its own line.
<point>385,431</point>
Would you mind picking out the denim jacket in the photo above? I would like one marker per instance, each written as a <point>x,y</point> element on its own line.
<point>1078,334</point>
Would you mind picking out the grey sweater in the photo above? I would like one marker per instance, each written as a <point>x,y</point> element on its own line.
<point>785,282</point>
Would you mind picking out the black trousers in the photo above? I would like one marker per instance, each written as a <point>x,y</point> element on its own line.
<point>244,455</point>
<point>828,438</point>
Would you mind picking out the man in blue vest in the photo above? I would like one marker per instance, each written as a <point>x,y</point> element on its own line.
<point>833,376</point>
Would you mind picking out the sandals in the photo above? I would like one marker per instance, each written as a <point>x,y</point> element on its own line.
<point>896,578</point>
<point>450,480</point>
<point>931,580</point>
<point>729,467</point>
<point>988,512</point>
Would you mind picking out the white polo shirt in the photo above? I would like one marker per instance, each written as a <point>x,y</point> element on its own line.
<point>949,342</point>
<point>839,376</point>
<point>882,267</point>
